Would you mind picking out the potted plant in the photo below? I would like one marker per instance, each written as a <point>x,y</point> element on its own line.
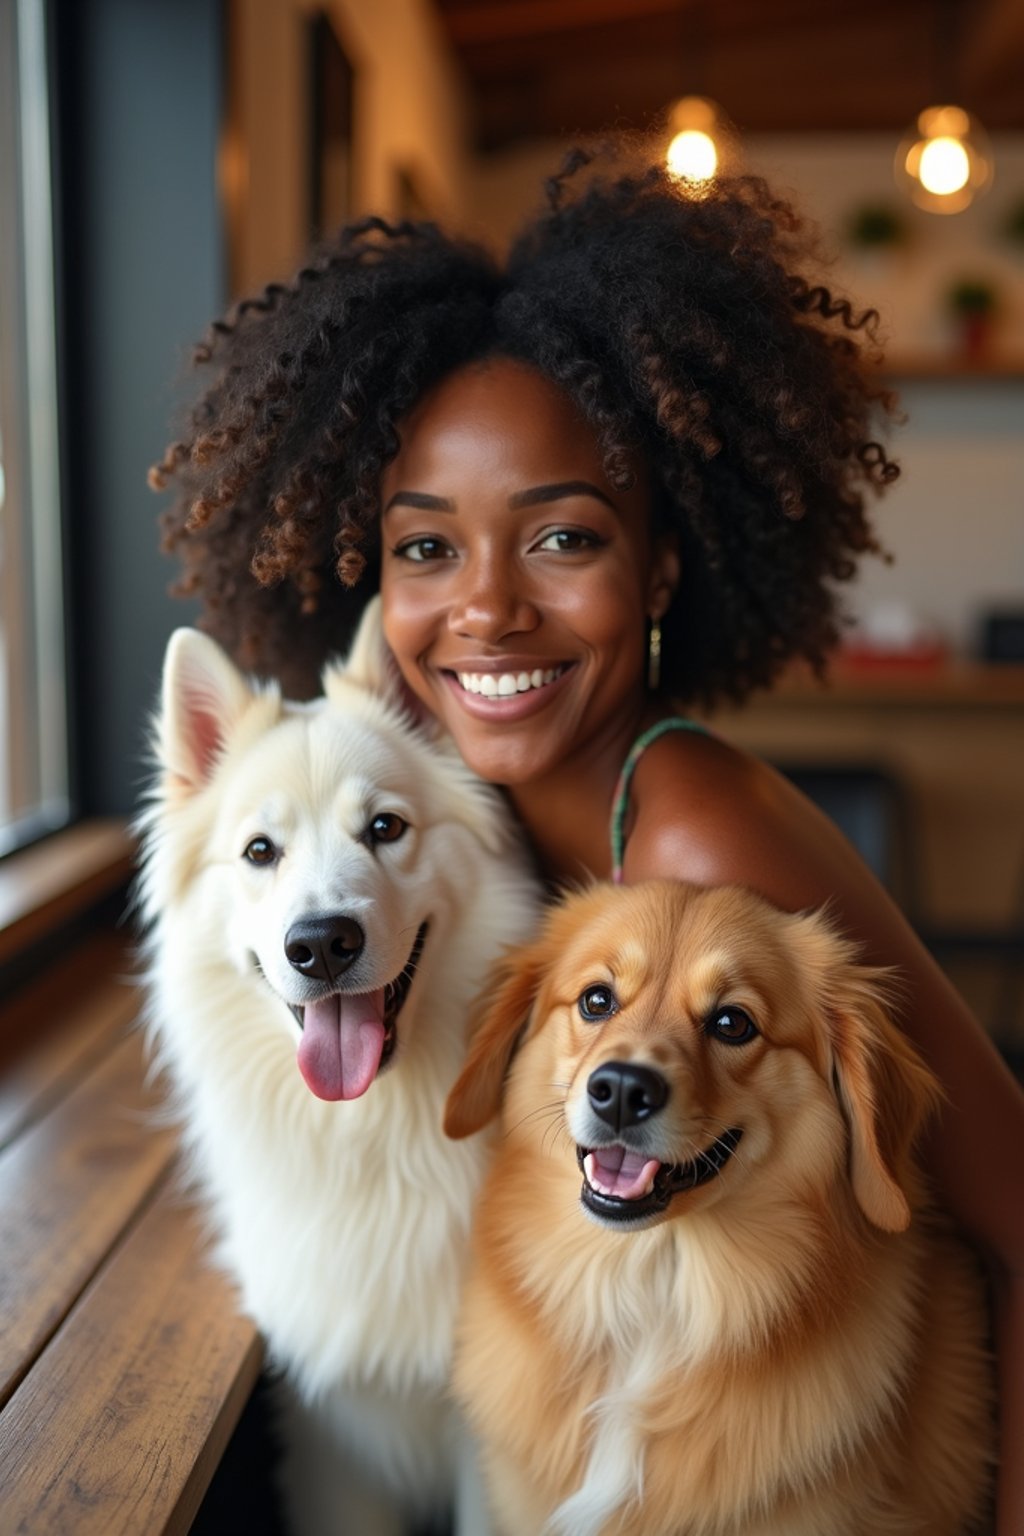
<point>973,303</point>
<point>875,227</point>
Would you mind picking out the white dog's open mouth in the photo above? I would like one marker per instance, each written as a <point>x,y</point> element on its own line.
<point>348,1037</point>
<point>623,1185</point>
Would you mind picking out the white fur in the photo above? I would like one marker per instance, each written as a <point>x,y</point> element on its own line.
<point>343,1224</point>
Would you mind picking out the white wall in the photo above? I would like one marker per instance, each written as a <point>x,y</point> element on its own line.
<point>954,522</point>
<point>832,175</point>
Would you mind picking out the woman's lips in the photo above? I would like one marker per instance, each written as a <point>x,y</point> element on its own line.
<point>499,696</point>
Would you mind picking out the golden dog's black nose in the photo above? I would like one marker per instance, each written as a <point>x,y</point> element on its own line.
<point>623,1093</point>
<point>323,947</point>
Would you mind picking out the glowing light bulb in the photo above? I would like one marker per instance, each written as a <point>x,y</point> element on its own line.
<point>945,160</point>
<point>692,155</point>
<point>944,166</point>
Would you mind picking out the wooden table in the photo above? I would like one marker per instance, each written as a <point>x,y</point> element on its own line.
<point>124,1364</point>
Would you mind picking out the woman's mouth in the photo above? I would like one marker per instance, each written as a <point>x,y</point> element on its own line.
<point>502,685</point>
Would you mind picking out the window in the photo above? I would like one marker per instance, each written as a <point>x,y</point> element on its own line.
<point>34,794</point>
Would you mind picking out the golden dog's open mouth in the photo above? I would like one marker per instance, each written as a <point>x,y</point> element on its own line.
<point>623,1185</point>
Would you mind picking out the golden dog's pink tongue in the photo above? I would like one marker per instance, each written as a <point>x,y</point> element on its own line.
<point>619,1172</point>
<point>342,1040</point>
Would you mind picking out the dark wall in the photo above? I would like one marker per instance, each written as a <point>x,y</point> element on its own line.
<point>139,100</point>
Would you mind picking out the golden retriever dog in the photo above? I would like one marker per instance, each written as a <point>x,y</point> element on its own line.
<point>709,1296</point>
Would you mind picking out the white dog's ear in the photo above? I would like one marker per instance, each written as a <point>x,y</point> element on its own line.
<point>886,1093</point>
<point>204,695</point>
<point>370,665</point>
<point>369,661</point>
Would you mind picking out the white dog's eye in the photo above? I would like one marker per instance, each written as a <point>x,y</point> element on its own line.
<point>732,1026</point>
<point>260,850</point>
<point>597,1002</point>
<point>386,828</point>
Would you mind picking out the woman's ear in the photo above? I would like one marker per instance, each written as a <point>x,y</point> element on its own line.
<point>666,569</point>
<point>500,1022</point>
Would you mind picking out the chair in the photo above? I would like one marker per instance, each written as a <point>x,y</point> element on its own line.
<point>871,807</point>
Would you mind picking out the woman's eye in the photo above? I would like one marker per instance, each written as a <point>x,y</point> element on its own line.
<point>422,549</point>
<point>261,851</point>
<point>567,541</point>
<point>732,1026</point>
<point>386,828</point>
<point>596,1002</point>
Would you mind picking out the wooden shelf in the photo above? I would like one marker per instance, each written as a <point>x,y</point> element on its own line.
<point>43,886</point>
<point>924,367</point>
<point>971,684</point>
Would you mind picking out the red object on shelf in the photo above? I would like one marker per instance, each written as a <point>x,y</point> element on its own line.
<point>927,656</point>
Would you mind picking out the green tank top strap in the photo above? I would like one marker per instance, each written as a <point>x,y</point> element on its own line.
<point>621,801</point>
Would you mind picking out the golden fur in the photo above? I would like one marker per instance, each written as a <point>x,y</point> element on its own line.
<point>795,1346</point>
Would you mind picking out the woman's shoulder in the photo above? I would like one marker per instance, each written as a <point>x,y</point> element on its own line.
<point>707,811</point>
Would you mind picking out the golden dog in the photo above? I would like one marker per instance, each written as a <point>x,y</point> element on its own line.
<point>708,1294</point>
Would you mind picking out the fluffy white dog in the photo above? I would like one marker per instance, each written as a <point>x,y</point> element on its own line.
<point>326,889</point>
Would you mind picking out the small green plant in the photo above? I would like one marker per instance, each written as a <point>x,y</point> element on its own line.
<point>972,296</point>
<point>876,226</point>
<point>1013,225</point>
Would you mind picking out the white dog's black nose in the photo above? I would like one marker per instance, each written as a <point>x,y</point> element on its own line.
<point>323,947</point>
<point>622,1093</point>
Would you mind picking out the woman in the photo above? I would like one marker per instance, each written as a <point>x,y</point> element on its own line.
<point>626,468</point>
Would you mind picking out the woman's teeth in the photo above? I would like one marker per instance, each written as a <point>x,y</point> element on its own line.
<point>501,685</point>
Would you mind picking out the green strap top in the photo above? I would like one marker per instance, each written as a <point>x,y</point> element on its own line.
<point>620,803</point>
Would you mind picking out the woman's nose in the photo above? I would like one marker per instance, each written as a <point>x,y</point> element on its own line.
<point>490,603</point>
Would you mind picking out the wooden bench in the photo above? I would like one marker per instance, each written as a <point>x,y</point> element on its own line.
<point>124,1365</point>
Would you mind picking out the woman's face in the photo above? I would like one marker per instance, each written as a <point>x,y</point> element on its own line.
<point>517,582</point>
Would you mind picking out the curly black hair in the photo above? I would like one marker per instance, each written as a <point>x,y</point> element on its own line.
<point>683,326</point>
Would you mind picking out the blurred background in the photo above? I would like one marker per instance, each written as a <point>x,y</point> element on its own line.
<point>159,158</point>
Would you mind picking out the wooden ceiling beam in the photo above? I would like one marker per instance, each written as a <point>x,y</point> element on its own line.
<point>993,54</point>
<point>788,66</point>
<point>511,20</point>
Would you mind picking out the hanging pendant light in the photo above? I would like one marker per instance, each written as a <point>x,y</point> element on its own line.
<point>699,141</point>
<point>945,160</point>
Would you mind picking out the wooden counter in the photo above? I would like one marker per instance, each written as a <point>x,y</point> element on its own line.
<point>124,1363</point>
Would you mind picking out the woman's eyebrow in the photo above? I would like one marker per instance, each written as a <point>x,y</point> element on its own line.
<point>541,493</point>
<point>421,501</point>
<point>536,496</point>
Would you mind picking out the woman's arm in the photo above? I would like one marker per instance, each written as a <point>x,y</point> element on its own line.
<point>705,812</point>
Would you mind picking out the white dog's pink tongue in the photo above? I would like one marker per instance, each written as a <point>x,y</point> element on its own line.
<point>342,1040</point>
<point>619,1172</point>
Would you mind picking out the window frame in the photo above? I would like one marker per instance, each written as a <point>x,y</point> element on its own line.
<point>35,777</point>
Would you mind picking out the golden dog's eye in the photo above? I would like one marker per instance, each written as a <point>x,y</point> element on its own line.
<point>597,1002</point>
<point>386,828</point>
<point>260,850</point>
<point>732,1026</point>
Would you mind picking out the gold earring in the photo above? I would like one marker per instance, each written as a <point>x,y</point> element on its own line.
<point>654,656</point>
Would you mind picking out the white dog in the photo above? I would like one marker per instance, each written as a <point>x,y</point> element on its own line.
<point>326,889</point>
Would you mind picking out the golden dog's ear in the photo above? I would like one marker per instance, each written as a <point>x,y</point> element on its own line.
<point>499,1022</point>
<point>886,1093</point>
